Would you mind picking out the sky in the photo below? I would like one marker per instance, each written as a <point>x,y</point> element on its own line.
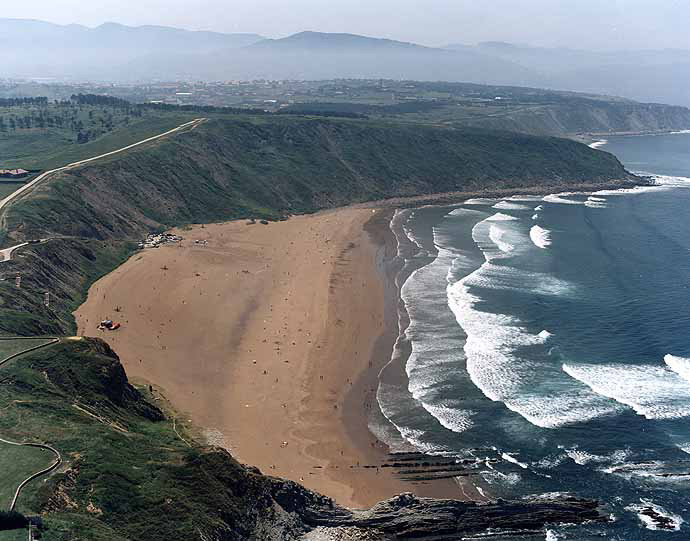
<point>585,24</point>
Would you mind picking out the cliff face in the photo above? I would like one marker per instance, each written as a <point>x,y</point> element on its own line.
<point>270,167</point>
<point>131,473</point>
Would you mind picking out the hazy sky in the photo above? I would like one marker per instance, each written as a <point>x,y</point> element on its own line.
<point>593,24</point>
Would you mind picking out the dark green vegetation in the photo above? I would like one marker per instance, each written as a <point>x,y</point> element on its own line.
<point>11,347</point>
<point>127,472</point>
<point>16,464</point>
<point>38,135</point>
<point>11,520</point>
<point>528,110</point>
<point>275,166</point>
<point>263,167</point>
<point>130,475</point>
<point>66,268</point>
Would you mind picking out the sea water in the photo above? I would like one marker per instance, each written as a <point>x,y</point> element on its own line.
<point>550,343</point>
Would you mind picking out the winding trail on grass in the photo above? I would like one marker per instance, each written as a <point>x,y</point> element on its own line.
<point>58,458</point>
<point>43,176</point>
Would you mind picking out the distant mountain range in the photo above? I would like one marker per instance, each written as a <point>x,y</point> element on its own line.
<point>117,53</point>
<point>644,75</point>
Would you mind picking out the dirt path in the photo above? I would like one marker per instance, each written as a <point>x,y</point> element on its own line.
<point>58,458</point>
<point>43,176</point>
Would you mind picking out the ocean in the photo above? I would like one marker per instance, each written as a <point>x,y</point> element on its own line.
<point>549,344</point>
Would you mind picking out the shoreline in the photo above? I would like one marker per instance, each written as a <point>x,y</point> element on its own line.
<point>255,336</point>
<point>315,429</point>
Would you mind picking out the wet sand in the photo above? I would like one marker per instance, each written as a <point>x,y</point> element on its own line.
<point>270,337</point>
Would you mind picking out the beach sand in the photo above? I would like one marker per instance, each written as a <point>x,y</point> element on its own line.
<point>270,337</point>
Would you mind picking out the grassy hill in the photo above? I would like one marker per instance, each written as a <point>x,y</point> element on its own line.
<point>272,166</point>
<point>132,472</point>
<point>241,167</point>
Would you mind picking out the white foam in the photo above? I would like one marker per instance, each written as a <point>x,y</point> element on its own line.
<point>545,335</point>
<point>539,208</point>
<point>500,217</point>
<point>510,458</point>
<point>507,205</point>
<point>537,391</point>
<point>649,522</point>
<point>561,198</point>
<point>552,535</point>
<point>496,234</point>
<point>540,237</point>
<point>493,476</point>
<point>596,202</point>
<point>653,392</point>
<point>452,418</point>
<point>598,144</point>
<point>582,457</point>
<point>525,198</point>
<point>680,365</point>
<point>661,183</point>
<point>479,201</point>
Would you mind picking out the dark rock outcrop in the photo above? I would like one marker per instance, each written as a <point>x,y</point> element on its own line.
<point>409,517</point>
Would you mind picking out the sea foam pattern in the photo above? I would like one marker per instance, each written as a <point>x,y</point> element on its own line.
<point>540,237</point>
<point>494,340</point>
<point>680,365</point>
<point>434,362</point>
<point>654,392</point>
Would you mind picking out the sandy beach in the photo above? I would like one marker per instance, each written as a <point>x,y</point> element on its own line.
<point>270,337</point>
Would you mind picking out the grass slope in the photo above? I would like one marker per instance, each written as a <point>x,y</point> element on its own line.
<point>259,166</point>
<point>16,464</point>
<point>127,474</point>
<point>66,268</point>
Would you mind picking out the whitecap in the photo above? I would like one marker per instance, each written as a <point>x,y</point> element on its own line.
<point>561,198</point>
<point>507,205</point>
<point>479,201</point>
<point>646,508</point>
<point>500,217</point>
<point>553,535</point>
<point>540,237</point>
<point>510,458</point>
<point>680,365</point>
<point>598,144</point>
<point>651,391</point>
<point>533,390</point>
<point>596,202</point>
<point>535,216</point>
<point>453,418</point>
<point>496,234</point>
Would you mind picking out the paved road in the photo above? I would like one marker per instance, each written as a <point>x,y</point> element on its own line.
<point>58,458</point>
<point>6,254</point>
<point>40,178</point>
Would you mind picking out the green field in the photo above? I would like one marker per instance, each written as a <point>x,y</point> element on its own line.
<point>6,188</point>
<point>16,464</point>
<point>10,346</point>
<point>13,535</point>
<point>41,148</point>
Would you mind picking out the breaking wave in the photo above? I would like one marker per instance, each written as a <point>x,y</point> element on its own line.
<point>651,391</point>
<point>540,237</point>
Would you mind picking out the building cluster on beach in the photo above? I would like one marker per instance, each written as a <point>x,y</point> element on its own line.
<point>156,240</point>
